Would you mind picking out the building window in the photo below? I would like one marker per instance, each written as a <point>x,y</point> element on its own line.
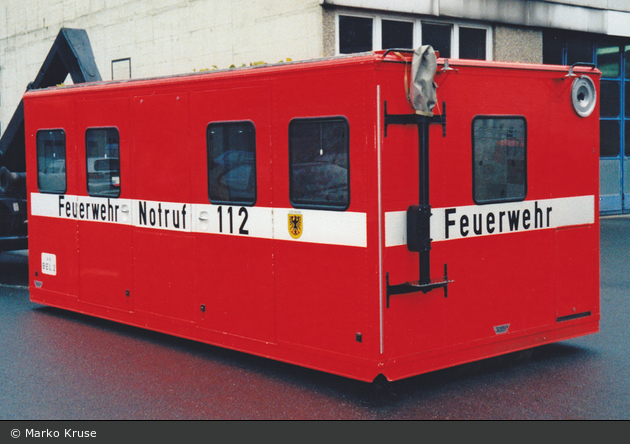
<point>579,50</point>
<point>439,37</point>
<point>610,103</point>
<point>396,34</point>
<point>232,163</point>
<point>51,161</point>
<point>610,139</point>
<point>355,34</point>
<point>499,154</point>
<point>472,43</point>
<point>362,33</point>
<point>103,162</point>
<point>553,49</point>
<point>318,163</point>
<point>613,93</point>
<point>567,48</point>
<point>608,61</point>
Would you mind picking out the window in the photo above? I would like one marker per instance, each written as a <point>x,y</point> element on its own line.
<point>51,161</point>
<point>355,34</point>
<point>103,162</point>
<point>232,163</point>
<point>567,47</point>
<point>438,36</point>
<point>610,99</point>
<point>318,163</point>
<point>472,43</point>
<point>579,50</point>
<point>608,61</point>
<point>499,154</point>
<point>611,94</point>
<point>610,139</point>
<point>373,32</point>
<point>396,34</point>
<point>612,59</point>
<point>553,47</point>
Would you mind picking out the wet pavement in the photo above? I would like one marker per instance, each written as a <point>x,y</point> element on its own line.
<point>60,365</point>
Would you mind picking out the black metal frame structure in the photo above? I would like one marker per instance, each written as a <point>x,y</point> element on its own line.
<point>418,216</point>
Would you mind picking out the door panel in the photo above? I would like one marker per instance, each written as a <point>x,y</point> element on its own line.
<point>233,245</point>
<point>52,245</point>
<point>162,254</point>
<point>105,256</point>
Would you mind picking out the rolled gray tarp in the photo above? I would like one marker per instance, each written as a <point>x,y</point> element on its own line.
<point>422,93</point>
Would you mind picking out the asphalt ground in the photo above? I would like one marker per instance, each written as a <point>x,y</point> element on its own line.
<point>58,365</point>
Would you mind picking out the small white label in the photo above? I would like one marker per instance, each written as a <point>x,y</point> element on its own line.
<point>49,264</point>
<point>16,207</point>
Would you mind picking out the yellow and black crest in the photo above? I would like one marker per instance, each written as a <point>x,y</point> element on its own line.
<point>295,225</point>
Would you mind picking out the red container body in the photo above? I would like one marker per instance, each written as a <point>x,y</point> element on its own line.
<point>521,273</point>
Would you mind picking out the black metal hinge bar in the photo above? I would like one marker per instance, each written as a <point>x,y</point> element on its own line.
<point>414,119</point>
<point>414,287</point>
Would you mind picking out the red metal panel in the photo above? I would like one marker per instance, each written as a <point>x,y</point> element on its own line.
<point>162,260</point>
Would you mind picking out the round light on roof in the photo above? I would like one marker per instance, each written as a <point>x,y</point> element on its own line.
<point>583,96</point>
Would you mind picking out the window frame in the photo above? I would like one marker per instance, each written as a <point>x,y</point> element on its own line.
<point>377,37</point>
<point>525,170</point>
<point>248,203</point>
<point>318,206</point>
<point>87,172</point>
<point>65,160</point>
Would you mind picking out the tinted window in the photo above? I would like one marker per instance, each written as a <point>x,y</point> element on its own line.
<point>579,50</point>
<point>553,48</point>
<point>355,34</point>
<point>610,101</point>
<point>472,43</point>
<point>232,162</point>
<point>51,161</point>
<point>609,61</point>
<point>438,36</point>
<point>609,138</point>
<point>499,155</point>
<point>318,163</point>
<point>103,162</point>
<point>397,34</point>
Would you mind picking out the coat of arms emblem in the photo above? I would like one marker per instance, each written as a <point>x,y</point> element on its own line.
<point>295,225</point>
